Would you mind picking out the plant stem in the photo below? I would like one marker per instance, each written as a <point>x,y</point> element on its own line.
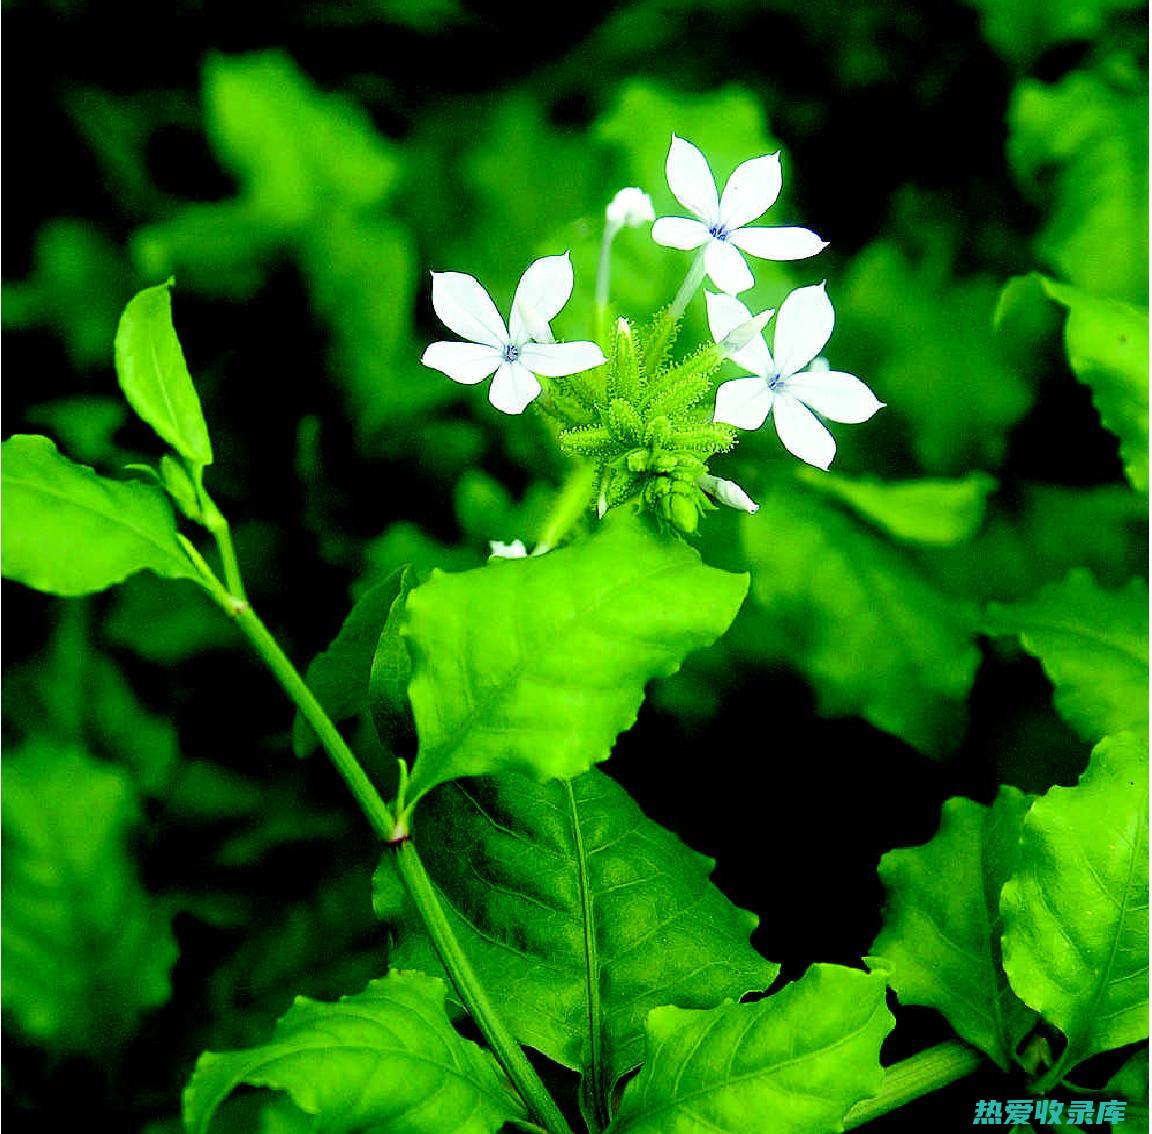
<point>692,281</point>
<point>394,832</point>
<point>541,1105</point>
<point>238,609</point>
<point>926,1072</point>
<point>603,281</point>
<point>376,810</point>
<point>222,533</point>
<point>1055,1073</point>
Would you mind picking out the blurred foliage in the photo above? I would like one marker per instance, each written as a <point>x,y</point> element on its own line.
<point>300,178</point>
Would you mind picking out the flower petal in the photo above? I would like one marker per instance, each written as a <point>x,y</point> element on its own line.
<point>726,267</point>
<point>680,232</point>
<point>466,308</point>
<point>744,402</point>
<point>558,359</point>
<point>778,243</point>
<point>691,180</point>
<point>543,290</point>
<point>751,191</point>
<point>467,363</point>
<point>834,395</point>
<point>800,431</point>
<point>513,388</point>
<point>725,314</point>
<point>803,325</point>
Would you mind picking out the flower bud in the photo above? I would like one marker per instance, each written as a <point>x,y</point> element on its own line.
<point>727,492</point>
<point>630,208</point>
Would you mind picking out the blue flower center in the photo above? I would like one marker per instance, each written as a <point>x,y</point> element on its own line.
<point>511,352</point>
<point>718,231</point>
<point>774,381</point>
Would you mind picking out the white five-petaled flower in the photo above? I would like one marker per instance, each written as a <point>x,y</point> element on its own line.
<point>721,220</point>
<point>781,386</point>
<point>515,353</point>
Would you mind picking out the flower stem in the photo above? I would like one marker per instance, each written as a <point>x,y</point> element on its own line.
<point>692,281</point>
<point>603,280</point>
<point>911,1078</point>
<point>542,1107</point>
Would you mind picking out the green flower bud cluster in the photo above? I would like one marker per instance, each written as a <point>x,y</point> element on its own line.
<point>644,423</point>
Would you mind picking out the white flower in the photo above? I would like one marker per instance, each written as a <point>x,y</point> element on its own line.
<point>781,386</point>
<point>515,353</point>
<point>630,208</point>
<point>513,550</point>
<point>727,492</point>
<point>721,221</point>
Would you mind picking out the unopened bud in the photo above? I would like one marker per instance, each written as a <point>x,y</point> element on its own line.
<point>727,492</point>
<point>630,208</point>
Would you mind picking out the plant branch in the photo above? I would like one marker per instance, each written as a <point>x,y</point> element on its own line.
<point>911,1078</point>
<point>541,1106</point>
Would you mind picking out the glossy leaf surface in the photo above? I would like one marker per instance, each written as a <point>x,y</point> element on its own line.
<point>386,1059</point>
<point>941,935</point>
<point>70,531</point>
<point>580,913</point>
<point>1076,911</point>
<point>535,665</point>
<point>793,1063</point>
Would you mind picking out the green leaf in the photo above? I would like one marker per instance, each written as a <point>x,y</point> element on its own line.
<point>941,943</point>
<point>391,671</point>
<point>1131,1084</point>
<point>163,623</point>
<point>1040,533</point>
<point>77,289</point>
<point>69,531</point>
<point>579,913</point>
<point>1079,147</point>
<point>86,950</point>
<point>1076,911</point>
<point>923,340</point>
<point>793,1063</point>
<point>928,511</point>
<point>1108,350</point>
<point>154,375</point>
<point>292,146</point>
<point>362,275</point>
<point>535,665</point>
<point>384,1059</point>
<point>1093,645</point>
<point>830,591</point>
<point>1022,30</point>
<point>338,676</point>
